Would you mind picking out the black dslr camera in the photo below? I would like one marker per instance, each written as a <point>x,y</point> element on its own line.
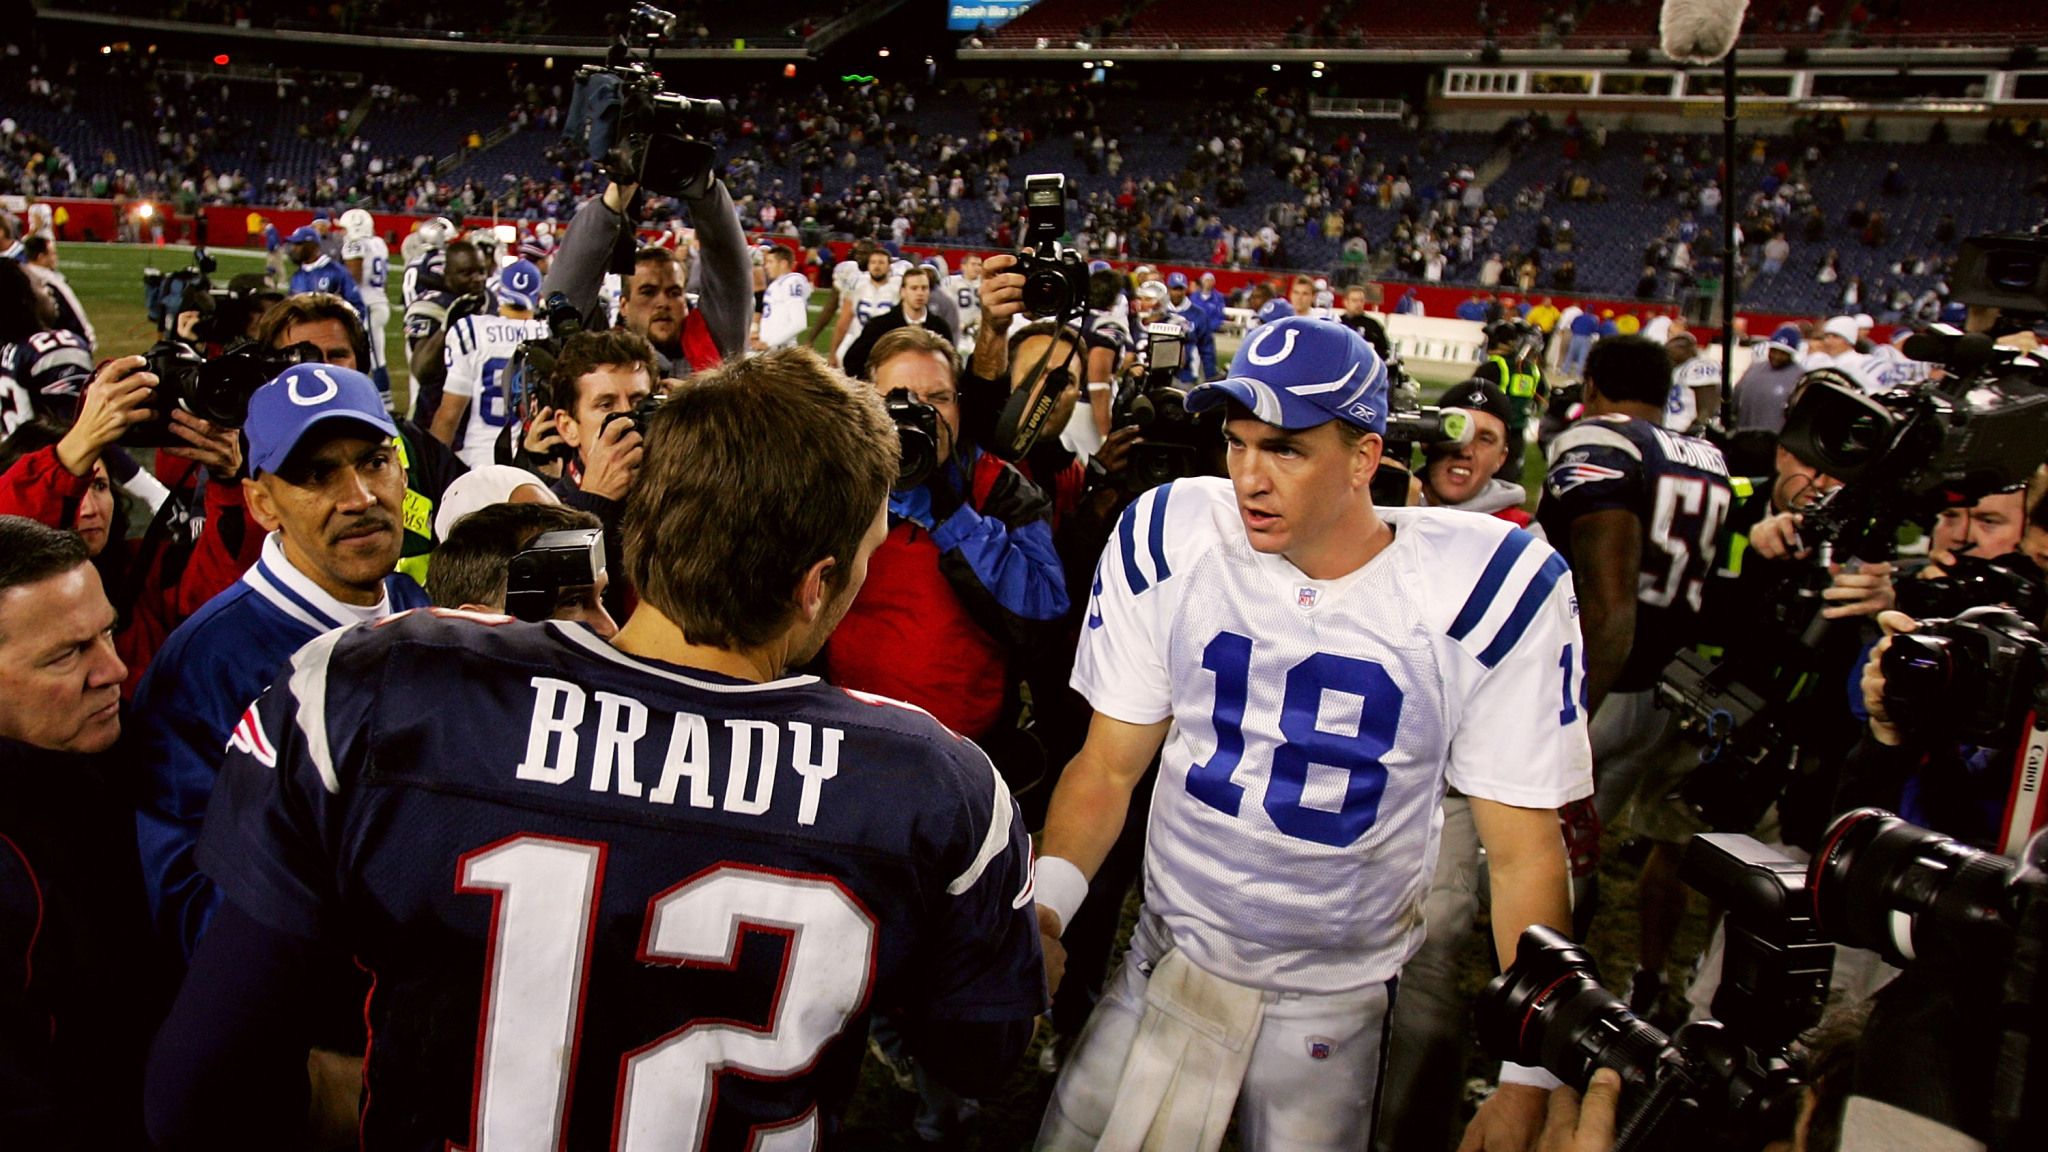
<point>1055,276</point>
<point>215,390</point>
<point>1176,442</point>
<point>917,437</point>
<point>555,561</point>
<point>634,129</point>
<point>1729,1082</point>
<point>1973,677</point>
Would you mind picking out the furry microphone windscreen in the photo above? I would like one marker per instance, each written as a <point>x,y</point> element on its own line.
<point>1701,31</point>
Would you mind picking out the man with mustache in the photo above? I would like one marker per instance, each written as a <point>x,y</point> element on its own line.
<point>325,481</point>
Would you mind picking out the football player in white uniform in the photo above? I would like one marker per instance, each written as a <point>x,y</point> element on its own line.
<point>1311,673</point>
<point>475,406</point>
<point>785,303</point>
<point>877,291</point>
<point>964,287</point>
<point>369,261</point>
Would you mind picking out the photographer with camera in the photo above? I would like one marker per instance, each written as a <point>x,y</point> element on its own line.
<point>459,291</point>
<point>968,575</point>
<point>600,392</point>
<point>530,561</point>
<point>58,476</point>
<point>653,304</point>
<point>1467,476</point>
<point>336,332</point>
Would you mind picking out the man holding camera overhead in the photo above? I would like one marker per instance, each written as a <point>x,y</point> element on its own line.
<point>326,483</point>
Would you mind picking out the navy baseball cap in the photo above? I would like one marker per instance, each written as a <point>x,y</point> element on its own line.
<point>518,285</point>
<point>1478,395</point>
<point>1098,265</point>
<point>303,397</point>
<point>302,234</point>
<point>1299,372</point>
<point>1176,279</point>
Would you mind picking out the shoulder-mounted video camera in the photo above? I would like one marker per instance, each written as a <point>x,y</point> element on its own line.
<point>224,312</point>
<point>635,129</point>
<point>1410,428</point>
<point>1175,442</point>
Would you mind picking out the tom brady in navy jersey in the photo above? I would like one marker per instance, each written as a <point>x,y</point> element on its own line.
<point>639,893</point>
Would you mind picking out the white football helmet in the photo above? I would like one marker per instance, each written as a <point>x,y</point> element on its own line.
<point>437,232</point>
<point>357,224</point>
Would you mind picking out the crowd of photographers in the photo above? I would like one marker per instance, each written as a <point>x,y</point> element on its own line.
<point>1861,637</point>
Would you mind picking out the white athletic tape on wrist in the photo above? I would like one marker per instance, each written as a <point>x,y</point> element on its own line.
<point>1523,1074</point>
<point>1059,886</point>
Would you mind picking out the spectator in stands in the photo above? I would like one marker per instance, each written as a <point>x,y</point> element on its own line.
<point>1764,390</point>
<point>967,575</point>
<point>81,993</point>
<point>55,475</point>
<point>913,310</point>
<point>331,326</point>
<point>472,568</point>
<point>327,484</point>
<point>654,306</point>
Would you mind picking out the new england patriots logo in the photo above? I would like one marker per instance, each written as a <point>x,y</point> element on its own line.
<point>1571,473</point>
<point>250,737</point>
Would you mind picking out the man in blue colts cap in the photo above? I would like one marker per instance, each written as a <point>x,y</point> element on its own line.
<point>1310,672</point>
<point>319,272</point>
<point>475,405</point>
<point>1200,324</point>
<point>325,482</point>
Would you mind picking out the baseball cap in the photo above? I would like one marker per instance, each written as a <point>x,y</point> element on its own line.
<point>301,398</point>
<point>1478,396</point>
<point>1176,279</point>
<point>481,488</point>
<point>1152,290</point>
<point>1208,277</point>
<point>1843,326</point>
<point>519,285</point>
<point>1863,320</point>
<point>303,233</point>
<point>1098,265</point>
<point>1298,372</point>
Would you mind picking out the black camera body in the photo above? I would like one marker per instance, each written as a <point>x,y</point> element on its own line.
<point>1175,442</point>
<point>536,577</point>
<point>651,137</point>
<point>1973,581</point>
<point>528,382</point>
<point>1971,677</point>
<point>1409,428</point>
<point>917,436</point>
<point>215,390</point>
<point>1055,276</point>
<point>638,414</point>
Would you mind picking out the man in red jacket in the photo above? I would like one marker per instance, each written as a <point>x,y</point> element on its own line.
<point>56,476</point>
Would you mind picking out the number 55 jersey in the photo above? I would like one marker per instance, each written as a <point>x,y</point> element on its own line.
<point>1315,723</point>
<point>612,903</point>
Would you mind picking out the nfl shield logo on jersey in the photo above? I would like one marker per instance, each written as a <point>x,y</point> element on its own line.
<point>1306,597</point>
<point>1319,1048</point>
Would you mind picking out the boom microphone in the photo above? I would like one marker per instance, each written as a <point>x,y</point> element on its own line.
<point>1701,31</point>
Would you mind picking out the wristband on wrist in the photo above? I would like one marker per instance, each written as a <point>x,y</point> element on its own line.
<point>1059,886</point>
<point>1511,1073</point>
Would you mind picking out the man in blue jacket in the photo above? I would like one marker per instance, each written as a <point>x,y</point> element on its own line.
<point>327,484</point>
<point>1212,302</point>
<point>1201,325</point>
<point>319,272</point>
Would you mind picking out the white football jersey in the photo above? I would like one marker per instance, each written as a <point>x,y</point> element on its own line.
<point>1294,825</point>
<point>785,310</point>
<point>847,275</point>
<point>477,353</point>
<point>376,258</point>
<point>1682,410</point>
<point>967,295</point>
<point>869,301</point>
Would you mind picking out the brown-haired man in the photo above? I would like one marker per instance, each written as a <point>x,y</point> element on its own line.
<point>669,804</point>
<point>599,376</point>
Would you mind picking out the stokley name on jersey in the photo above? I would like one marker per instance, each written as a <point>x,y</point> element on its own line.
<point>560,733</point>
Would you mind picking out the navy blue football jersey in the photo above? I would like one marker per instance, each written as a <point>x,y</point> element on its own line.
<point>1677,486</point>
<point>613,903</point>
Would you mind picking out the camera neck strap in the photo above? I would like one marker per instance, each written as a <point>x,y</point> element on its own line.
<point>2026,807</point>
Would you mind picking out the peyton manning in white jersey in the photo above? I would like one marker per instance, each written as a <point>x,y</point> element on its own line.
<point>1311,673</point>
<point>475,406</point>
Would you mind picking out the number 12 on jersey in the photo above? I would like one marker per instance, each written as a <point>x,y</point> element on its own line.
<point>547,891</point>
<point>1319,690</point>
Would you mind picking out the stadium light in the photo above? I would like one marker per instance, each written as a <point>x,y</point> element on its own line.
<point>221,60</point>
<point>1109,63</point>
<point>884,53</point>
<point>146,211</point>
<point>1316,73</point>
<point>1276,67</point>
<point>106,49</point>
<point>1319,65</point>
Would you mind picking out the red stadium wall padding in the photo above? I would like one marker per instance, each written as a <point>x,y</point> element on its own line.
<point>227,226</point>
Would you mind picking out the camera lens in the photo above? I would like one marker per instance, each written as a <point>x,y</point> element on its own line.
<point>1548,1010</point>
<point>1046,293</point>
<point>1920,673</point>
<point>1877,877</point>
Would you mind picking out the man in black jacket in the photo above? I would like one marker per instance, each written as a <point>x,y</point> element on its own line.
<point>598,376</point>
<point>78,995</point>
<point>914,311</point>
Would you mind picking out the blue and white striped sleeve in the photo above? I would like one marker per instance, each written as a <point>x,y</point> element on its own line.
<point>1120,666</point>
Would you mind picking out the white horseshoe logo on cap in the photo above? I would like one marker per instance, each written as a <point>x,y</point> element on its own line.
<point>1251,350</point>
<point>333,389</point>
